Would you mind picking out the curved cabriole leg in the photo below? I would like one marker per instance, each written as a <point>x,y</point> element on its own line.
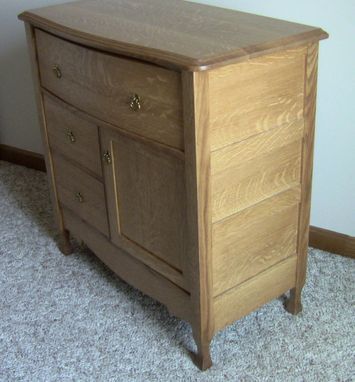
<point>202,359</point>
<point>294,305</point>
<point>64,243</point>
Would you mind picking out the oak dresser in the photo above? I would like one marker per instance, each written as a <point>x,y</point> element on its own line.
<point>178,144</point>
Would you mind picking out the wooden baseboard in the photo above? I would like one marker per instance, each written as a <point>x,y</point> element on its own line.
<point>331,241</point>
<point>22,157</point>
<point>319,238</point>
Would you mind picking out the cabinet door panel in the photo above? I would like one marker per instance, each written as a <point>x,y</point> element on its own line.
<point>146,197</point>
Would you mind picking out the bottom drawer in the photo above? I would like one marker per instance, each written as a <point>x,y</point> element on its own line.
<point>81,193</point>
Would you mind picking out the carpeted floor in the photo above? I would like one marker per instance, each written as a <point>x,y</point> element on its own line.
<point>71,319</point>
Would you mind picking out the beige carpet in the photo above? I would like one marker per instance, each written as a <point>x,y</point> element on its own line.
<point>71,319</point>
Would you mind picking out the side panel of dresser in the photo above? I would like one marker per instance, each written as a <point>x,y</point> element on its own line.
<point>64,234</point>
<point>257,142</point>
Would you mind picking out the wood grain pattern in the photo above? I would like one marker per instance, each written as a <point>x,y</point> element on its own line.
<point>71,180</point>
<point>145,192</point>
<point>239,301</point>
<point>231,156</point>
<point>255,239</point>
<point>129,269</point>
<point>320,238</point>
<point>149,192</point>
<point>199,222</point>
<point>102,85</point>
<point>85,150</point>
<point>127,245</point>
<point>249,182</point>
<point>255,96</point>
<point>294,304</point>
<point>174,33</point>
<point>98,122</point>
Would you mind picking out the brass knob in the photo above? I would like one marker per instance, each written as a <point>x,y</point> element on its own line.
<point>135,102</point>
<point>57,71</point>
<point>107,157</point>
<point>79,197</point>
<point>70,136</point>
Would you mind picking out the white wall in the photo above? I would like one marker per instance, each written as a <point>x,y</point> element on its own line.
<point>333,204</point>
<point>18,119</point>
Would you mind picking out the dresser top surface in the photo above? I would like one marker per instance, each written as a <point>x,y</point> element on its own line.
<point>174,33</point>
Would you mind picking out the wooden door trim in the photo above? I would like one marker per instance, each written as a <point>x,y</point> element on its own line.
<point>120,240</point>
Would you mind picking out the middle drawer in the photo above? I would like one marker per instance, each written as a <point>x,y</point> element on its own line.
<point>72,135</point>
<point>142,98</point>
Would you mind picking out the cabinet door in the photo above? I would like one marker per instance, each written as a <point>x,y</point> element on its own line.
<point>145,188</point>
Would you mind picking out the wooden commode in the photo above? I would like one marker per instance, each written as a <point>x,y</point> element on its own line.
<point>178,144</point>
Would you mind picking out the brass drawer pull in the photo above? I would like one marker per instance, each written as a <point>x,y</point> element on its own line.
<point>135,102</point>
<point>57,71</point>
<point>79,197</point>
<point>70,136</point>
<point>107,157</point>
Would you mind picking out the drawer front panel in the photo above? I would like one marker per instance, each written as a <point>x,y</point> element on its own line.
<point>72,136</point>
<point>81,193</point>
<point>142,98</point>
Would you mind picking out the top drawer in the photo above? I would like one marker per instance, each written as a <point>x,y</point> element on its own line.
<point>142,98</point>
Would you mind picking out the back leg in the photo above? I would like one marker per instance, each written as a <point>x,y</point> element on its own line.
<point>64,243</point>
<point>202,358</point>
